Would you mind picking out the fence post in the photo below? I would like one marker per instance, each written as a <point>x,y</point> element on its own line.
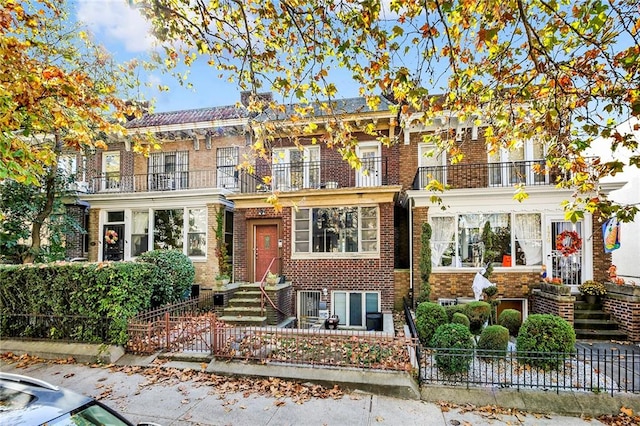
<point>214,335</point>
<point>167,330</point>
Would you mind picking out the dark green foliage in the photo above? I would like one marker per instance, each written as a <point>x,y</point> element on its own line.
<point>544,340</point>
<point>490,254</point>
<point>490,291</point>
<point>425,263</point>
<point>493,341</point>
<point>175,275</point>
<point>454,346</point>
<point>429,316</point>
<point>105,295</point>
<point>478,313</point>
<point>460,318</point>
<point>511,319</point>
<point>452,309</point>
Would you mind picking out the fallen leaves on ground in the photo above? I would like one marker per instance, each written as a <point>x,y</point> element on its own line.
<point>626,417</point>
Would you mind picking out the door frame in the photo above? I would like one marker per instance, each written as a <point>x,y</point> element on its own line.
<point>251,244</point>
<point>587,245</point>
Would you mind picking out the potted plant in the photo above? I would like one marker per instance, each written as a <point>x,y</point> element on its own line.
<point>555,286</point>
<point>272,279</point>
<point>592,290</point>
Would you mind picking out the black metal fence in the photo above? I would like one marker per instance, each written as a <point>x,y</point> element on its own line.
<point>586,369</point>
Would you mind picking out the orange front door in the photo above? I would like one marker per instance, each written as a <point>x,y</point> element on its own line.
<point>266,250</point>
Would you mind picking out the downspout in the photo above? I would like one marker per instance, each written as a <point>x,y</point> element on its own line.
<point>411,202</point>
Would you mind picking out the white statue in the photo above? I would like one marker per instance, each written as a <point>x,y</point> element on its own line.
<point>480,283</point>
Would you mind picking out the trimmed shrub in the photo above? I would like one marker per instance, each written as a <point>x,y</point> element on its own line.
<point>460,318</point>
<point>493,342</point>
<point>429,316</point>
<point>511,319</point>
<point>478,313</point>
<point>88,302</point>
<point>175,275</point>
<point>544,340</point>
<point>454,346</point>
<point>452,309</point>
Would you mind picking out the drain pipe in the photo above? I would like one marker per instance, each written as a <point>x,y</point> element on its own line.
<point>411,202</point>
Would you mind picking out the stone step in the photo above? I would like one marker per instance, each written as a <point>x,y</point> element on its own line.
<point>581,305</point>
<point>595,324</point>
<point>256,321</point>
<point>243,311</point>
<point>591,315</point>
<point>587,334</point>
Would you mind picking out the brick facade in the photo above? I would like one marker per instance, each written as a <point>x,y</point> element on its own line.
<point>546,303</point>
<point>623,303</point>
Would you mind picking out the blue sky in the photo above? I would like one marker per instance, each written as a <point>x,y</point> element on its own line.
<point>126,34</point>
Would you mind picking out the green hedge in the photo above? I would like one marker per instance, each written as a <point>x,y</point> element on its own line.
<point>175,275</point>
<point>429,316</point>
<point>96,291</point>
<point>454,348</point>
<point>544,340</point>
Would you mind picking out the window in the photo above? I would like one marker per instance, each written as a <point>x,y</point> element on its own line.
<point>518,165</point>
<point>111,170</point>
<point>140,233</point>
<point>197,234</point>
<point>227,161</point>
<point>295,168</point>
<point>432,162</point>
<point>477,239</point>
<point>336,230</point>
<point>167,229</point>
<point>352,307</point>
<point>168,171</point>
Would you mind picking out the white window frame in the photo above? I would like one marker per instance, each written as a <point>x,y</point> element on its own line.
<point>110,183</point>
<point>281,163</point>
<point>456,262</point>
<point>510,170</point>
<point>438,159</point>
<point>370,174</point>
<point>363,307</point>
<point>361,253</point>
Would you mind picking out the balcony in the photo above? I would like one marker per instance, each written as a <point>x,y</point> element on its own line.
<point>487,175</point>
<point>329,174</point>
<point>154,182</point>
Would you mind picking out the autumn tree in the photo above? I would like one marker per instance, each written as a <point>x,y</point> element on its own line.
<point>562,71</point>
<point>58,91</point>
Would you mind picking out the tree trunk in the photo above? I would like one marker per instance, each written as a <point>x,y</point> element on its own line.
<point>50,194</point>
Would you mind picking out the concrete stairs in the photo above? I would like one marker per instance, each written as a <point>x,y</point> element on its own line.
<point>592,323</point>
<point>244,307</point>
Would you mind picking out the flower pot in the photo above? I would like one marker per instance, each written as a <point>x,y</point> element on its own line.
<point>591,299</point>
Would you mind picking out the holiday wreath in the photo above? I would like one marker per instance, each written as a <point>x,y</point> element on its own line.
<point>111,236</point>
<point>568,243</point>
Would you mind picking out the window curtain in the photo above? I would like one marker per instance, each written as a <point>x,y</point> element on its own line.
<point>529,235</point>
<point>442,229</point>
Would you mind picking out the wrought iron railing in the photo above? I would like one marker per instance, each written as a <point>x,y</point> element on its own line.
<point>159,182</point>
<point>329,174</point>
<point>485,175</point>
<point>589,370</point>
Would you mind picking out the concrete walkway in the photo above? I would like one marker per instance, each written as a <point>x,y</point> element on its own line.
<point>177,402</point>
<point>373,398</point>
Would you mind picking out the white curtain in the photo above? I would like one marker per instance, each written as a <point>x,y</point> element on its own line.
<point>442,229</point>
<point>528,232</point>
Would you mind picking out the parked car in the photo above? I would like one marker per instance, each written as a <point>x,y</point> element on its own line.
<point>28,401</point>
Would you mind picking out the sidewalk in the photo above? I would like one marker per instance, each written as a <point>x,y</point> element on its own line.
<point>174,401</point>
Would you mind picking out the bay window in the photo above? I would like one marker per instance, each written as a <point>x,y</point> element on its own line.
<point>479,239</point>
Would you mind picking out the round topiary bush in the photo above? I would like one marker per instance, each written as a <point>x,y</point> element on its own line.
<point>452,309</point>
<point>454,348</point>
<point>478,313</point>
<point>460,318</point>
<point>175,275</point>
<point>511,319</point>
<point>544,340</point>
<point>429,316</point>
<point>493,342</point>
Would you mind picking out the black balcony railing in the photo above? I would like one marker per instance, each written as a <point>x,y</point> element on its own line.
<point>155,182</point>
<point>329,174</point>
<point>485,175</point>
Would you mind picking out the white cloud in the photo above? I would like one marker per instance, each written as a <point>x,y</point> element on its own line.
<point>116,22</point>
